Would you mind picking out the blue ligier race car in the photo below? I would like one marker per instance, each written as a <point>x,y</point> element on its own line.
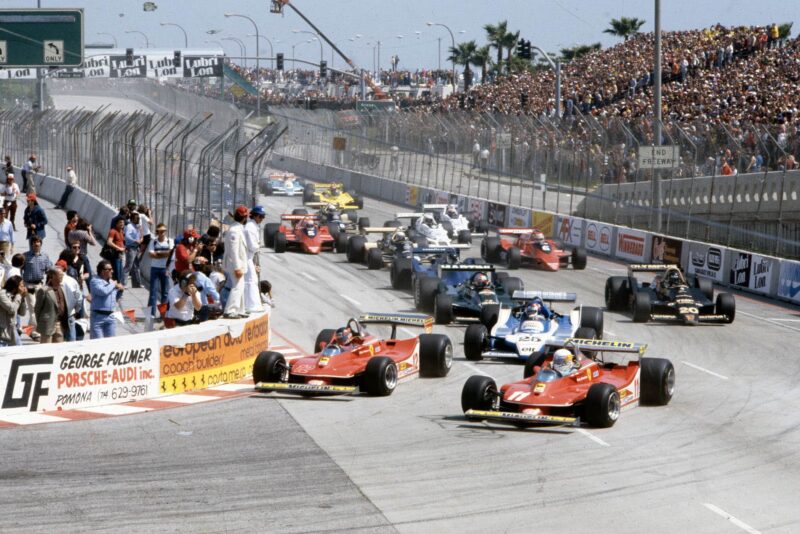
<point>529,326</point>
<point>281,183</point>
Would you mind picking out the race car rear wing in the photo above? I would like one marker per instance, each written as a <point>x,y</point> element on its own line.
<point>329,186</point>
<point>380,229</point>
<point>322,204</point>
<point>650,267</point>
<point>418,320</point>
<point>442,250</point>
<point>434,206</point>
<point>469,267</point>
<point>311,216</point>
<point>551,296</point>
<point>596,345</point>
<point>515,231</point>
<point>408,215</point>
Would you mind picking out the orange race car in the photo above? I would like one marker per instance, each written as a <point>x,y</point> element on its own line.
<point>302,232</point>
<point>515,246</point>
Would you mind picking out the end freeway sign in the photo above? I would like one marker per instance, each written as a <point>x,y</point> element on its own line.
<point>41,37</point>
<point>659,157</point>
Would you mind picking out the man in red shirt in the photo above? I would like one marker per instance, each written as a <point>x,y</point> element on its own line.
<point>187,250</point>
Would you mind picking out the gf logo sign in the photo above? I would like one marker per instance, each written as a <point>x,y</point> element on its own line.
<point>33,383</point>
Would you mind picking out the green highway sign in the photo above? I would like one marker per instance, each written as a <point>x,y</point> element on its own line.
<point>41,37</point>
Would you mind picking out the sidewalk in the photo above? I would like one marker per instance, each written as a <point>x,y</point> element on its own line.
<point>53,244</point>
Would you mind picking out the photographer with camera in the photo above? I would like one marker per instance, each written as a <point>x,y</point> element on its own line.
<point>187,250</point>
<point>184,300</point>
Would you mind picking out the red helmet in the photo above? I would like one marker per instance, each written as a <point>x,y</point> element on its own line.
<point>480,280</point>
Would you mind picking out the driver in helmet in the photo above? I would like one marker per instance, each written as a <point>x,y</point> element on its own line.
<point>330,211</point>
<point>288,180</point>
<point>564,362</point>
<point>537,236</point>
<point>534,317</point>
<point>398,238</point>
<point>451,212</point>
<point>335,191</point>
<point>480,281</point>
<point>669,280</point>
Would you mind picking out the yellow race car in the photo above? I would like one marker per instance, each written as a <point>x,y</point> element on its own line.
<point>332,193</point>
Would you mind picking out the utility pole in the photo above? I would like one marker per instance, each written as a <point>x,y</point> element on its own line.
<point>657,118</point>
<point>440,54</point>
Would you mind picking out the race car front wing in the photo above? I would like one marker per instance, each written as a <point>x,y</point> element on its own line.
<point>524,418</point>
<point>306,389</point>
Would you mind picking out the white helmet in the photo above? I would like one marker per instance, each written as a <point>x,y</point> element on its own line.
<point>563,362</point>
<point>331,207</point>
<point>399,237</point>
<point>451,211</point>
<point>429,220</point>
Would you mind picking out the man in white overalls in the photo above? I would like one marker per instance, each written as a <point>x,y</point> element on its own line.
<point>252,238</point>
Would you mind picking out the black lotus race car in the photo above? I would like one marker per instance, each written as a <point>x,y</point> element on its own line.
<point>669,297</point>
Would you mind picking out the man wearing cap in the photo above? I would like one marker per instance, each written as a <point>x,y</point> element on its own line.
<point>235,264</point>
<point>252,297</point>
<point>34,218</point>
<point>72,180</point>
<point>10,195</point>
<point>187,250</point>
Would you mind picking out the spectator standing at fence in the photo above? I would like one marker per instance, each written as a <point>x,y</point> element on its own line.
<point>116,243</point>
<point>51,308</point>
<point>103,291</point>
<point>84,235</point>
<point>8,166</point>
<point>184,299</point>
<point>159,250</point>
<point>34,218</point>
<point>235,264</point>
<point>123,213</point>
<point>213,233</point>
<point>187,250</point>
<point>252,234</point>
<point>6,237</point>
<point>145,222</point>
<point>10,195</point>
<point>73,293</point>
<point>485,159</point>
<point>36,265</point>
<point>211,251</point>
<point>133,241</point>
<point>28,169</point>
<point>12,305</point>
<point>72,224</point>
<point>72,182</point>
<point>76,265</point>
<point>476,154</point>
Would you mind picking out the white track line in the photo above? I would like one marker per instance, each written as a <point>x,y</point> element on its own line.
<point>712,373</point>
<point>772,321</point>
<point>742,525</point>
<point>609,332</point>
<point>479,371</point>
<point>592,437</point>
<point>308,276</point>
<point>354,302</point>
<point>782,319</point>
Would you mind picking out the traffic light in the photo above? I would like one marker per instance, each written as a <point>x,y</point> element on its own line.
<point>129,56</point>
<point>524,49</point>
<point>280,60</point>
<point>176,59</point>
<point>323,69</point>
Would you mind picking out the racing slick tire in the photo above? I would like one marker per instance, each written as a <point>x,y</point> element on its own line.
<point>602,405</point>
<point>586,333</point>
<point>616,293</point>
<point>443,308</point>
<point>355,248</point>
<point>363,222</point>
<point>394,223</point>
<point>640,307</point>
<point>420,241</point>
<point>374,259</point>
<point>592,317</point>
<point>341,242</point>
<point>480,227</point>
<point>578,258</point>
<point>705,286</point>
<point>299,211</point>
<point>501,276</point>
<point>475,342</point>
<point>726,305</point>
<point>448,226</point>
<point>489,315</point>
<point>400,273</point>
<point>513,258</point>
<point>334,230</point>
<point>511,284</point>
<point>268,367</point>
<point>380,377</point>
<point>323,338</point>
<point>435,355</point>
<point>358,200</point>
<point>657,381</point>
<point>280,242</point>
<point>266,189</point>
<point>308,193</point>
<point>270,229</point>
<point>490,249</point>
<point>479,393</point>
<point>425,295</point>
<point>534,360</point>
<point>464,237</point>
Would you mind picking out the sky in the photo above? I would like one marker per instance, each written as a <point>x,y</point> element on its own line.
<point>400,25</point>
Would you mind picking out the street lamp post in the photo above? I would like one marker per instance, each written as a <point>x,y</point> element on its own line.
<point>321,57</point>
<point>258,62</point>
<point>271,52</point>
<point>185,37</point>
<point>453,39</point>
<point>242,47</point>
<point>110,35</point>
<point>146,40</point>
<point>294,45</point>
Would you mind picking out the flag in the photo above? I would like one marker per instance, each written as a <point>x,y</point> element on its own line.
<point>149,6</point>
<point>131,314</point>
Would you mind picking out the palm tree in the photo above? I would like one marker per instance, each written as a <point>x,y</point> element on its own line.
<point>576,52</point>
<point>464,54</point>
<point>785,30</point>
<point>482,59</point>
<point>510,43</point>
<point>495,34</point>
<point>624,27</point>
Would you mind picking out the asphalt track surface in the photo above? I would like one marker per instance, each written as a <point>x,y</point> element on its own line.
<point>721,457</point>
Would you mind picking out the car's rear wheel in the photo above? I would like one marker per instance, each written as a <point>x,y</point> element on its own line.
<point>374,259</point>
<point>280,242</point>
<point>400,273</point>
<point>299,211</point>
<point>420,241</point>
<point>334,230</point>
<point>267,189</point>
<point>479,393</point>
<point>489,315</point>
<point>270,229</point>
<point>268,367</point>
<point>511,284</point>
<point>475,342</point>
<point>602,405</point>
<point>513,258</point>
<point>464,237</point>
<point>448,227</point>
<point>534,360</point>
<point>640,307</point>
<point>308,192</point>
<point>435,355</point>
<point>341,243</point>
<point>586,333</point>
<point>355,248</point>
<point>426,289</point>
<point>657,381</point>
<point>592,317</point>
<point>578,258</point>
<point>443,308</point>
<point>726,305</point>
<point>363,222</point>
<point>323,338</point>
<point>394,223</point>
<point>705,286</point>
<point>616,293</point>
<point>380,376</point>
<point>490,249</point>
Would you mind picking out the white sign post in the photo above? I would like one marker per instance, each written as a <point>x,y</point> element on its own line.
<point>3,52</point>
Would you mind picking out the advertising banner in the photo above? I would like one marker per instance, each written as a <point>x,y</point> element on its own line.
<point>543,221</point>
<point>442,197</point>
<point>740,269</point>
<point>412,193</point>
<point>17,74</point>
<point>202,66</point>
<point>161,66</point>
<point>789,281</point>
<point>519,217</point>
<point>78,375</point>
<point>121,69</point>
<point>570,230</point>
<point>476,209</point>
<point>751,271</point>
<point>598,237</point>
<point>631,245</point>
<point>706,261</point>
<point>497,214</point>
<point>666,250</point>
<point>225,355</point>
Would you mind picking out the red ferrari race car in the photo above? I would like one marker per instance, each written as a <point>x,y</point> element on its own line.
<point>571,383</point>
<point>302,232</point>
<point>351,360</point>
<point>515,246</point>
